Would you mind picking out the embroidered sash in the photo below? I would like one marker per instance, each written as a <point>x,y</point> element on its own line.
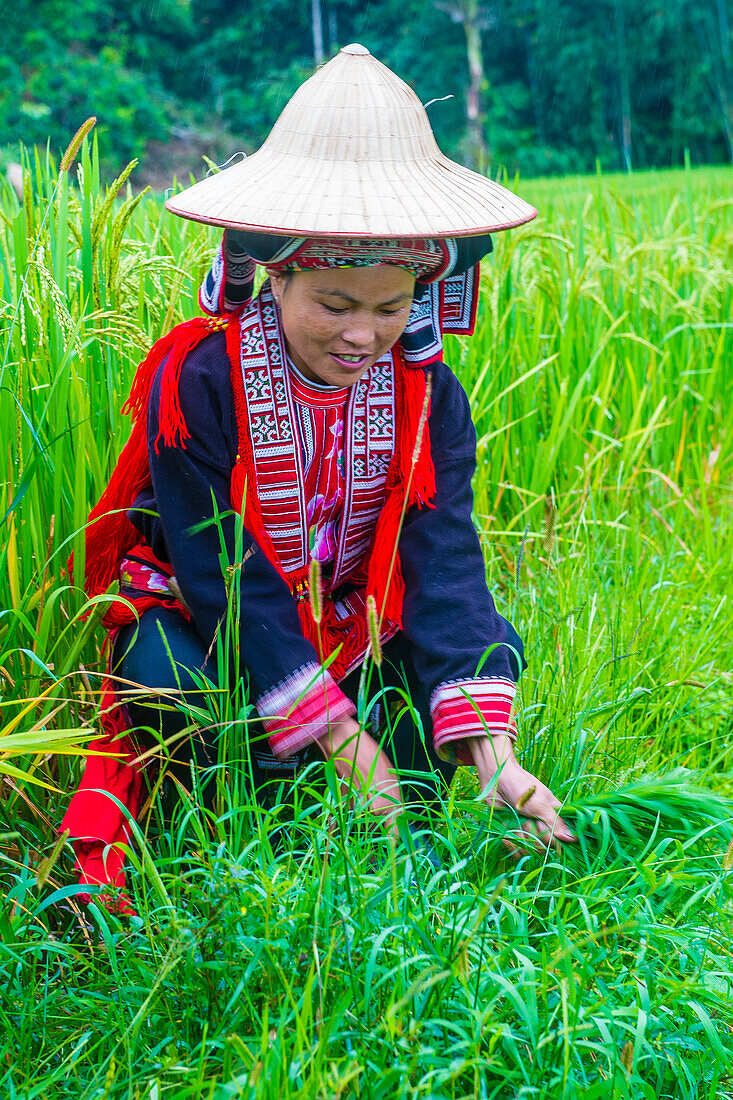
<point>369,445</point>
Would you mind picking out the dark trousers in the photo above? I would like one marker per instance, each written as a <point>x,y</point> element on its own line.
<point>164,652</point>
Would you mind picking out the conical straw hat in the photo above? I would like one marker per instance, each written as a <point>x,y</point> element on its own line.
<point>352,155</point>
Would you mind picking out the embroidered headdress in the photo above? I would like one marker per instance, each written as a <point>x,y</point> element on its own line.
<point>427,258</point>
<point>446,290</point>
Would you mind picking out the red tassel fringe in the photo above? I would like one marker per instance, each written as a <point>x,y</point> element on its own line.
<point>96,823</point>
<point>109,532</point>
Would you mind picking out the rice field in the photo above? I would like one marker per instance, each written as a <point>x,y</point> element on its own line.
<point>293,953</point>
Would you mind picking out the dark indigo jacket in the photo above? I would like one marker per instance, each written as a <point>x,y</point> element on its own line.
<point>449,618</point>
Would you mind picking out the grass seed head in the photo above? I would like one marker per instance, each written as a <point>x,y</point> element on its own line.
<point>550,522</point>
<point>75,144</point>
<point>423,420</point>
<point>315,594</point>
<point>373,623</point>
<point>526,797</point>
<point>728,857</point>
<point>47,865</point>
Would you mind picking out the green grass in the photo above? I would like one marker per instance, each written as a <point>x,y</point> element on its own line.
<point>326,963</point>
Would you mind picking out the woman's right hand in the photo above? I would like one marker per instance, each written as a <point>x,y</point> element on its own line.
<point>360,761</point>
<point>507,783</point>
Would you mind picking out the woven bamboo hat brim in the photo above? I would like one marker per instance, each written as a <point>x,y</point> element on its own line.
<point>352,155</point>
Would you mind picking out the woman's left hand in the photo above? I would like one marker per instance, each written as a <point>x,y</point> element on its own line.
<point>365,767</point>
<point>518,788</point>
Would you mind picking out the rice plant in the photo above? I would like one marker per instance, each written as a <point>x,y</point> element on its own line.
<point>292,951</point>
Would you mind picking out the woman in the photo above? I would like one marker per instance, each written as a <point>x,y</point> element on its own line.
<point>320,417</point>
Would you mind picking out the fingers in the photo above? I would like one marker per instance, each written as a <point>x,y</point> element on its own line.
<point>532,799</point>
<point>367,772</point>
<point>526,839</point>
<point>493,799</point>
<point>545,822</point>
<point>544,827</point>
<point>538,836</point>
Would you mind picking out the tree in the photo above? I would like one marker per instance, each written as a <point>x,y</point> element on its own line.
<point>545,85</point>
<point>58,71</point>
<point>474,18</point>
<point>712,27</point>
<point>317,25</point>
<point>622,69</point>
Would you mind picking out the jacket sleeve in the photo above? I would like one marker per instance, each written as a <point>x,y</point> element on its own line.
<point>467,656</point>
<point>294,696</point>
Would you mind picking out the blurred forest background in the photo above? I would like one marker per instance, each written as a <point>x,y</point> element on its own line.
<point>538,86</point>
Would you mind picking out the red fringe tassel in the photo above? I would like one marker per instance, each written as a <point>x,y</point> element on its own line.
<point>109,532</point>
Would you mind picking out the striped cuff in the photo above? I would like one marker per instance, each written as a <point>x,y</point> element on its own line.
<point>470,708</point>
<point>301,708</point>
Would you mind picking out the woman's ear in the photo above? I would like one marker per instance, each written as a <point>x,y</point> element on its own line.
<point>277,282</point>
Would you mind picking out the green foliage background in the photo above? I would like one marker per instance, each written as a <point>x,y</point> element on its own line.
<point>171,79</point>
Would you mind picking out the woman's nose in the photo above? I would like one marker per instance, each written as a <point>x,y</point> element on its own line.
<point>359,331</point>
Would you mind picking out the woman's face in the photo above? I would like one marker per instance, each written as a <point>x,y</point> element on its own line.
<point>338,322</point>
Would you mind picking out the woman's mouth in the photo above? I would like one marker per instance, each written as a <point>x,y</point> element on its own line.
<point>349,362</point>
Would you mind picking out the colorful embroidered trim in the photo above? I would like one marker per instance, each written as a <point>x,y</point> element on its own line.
<point>422,256</point>
<point>470,708</point>
<point>369,442</point>
<point>300,709</point>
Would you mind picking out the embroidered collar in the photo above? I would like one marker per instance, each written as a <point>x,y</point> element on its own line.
<point>316,395</point>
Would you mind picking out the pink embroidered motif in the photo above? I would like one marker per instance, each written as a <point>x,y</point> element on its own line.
<point>320,426</point>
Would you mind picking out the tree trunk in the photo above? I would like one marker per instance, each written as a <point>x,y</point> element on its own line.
<point>726,75</point>
<point>678,88</point>
<point>534,87</point>
<point>333,31</point>
<point>714,37</point>
<point>474,20</point>
<point>623,85</point>
<point>598,115</point>
<point>317,25</point>
<point>478,153</point>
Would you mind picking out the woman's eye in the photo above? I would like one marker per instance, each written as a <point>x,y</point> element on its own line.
<point>332,309</point>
